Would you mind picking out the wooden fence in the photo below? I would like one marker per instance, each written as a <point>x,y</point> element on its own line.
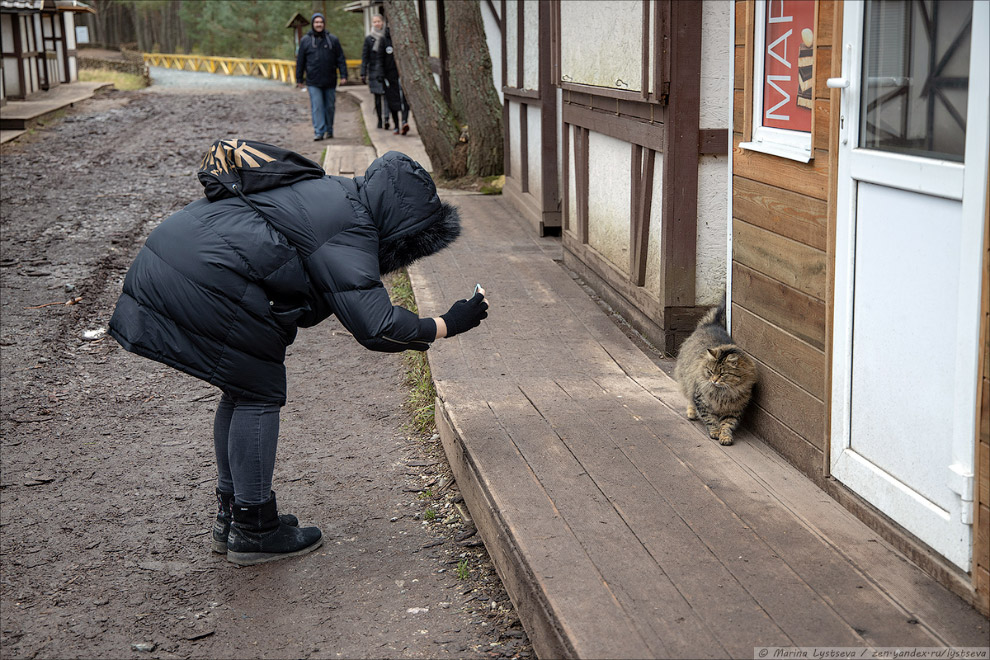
<point>281,70</point>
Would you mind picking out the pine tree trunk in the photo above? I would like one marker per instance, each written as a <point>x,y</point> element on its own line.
<point>437,127</point>
<point>473,94</point>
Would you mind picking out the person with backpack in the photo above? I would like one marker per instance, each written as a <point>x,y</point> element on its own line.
<point>319,58</point>
<point>222,286</point>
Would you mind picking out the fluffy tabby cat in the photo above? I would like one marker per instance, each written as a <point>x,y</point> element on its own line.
<point>715,375</point>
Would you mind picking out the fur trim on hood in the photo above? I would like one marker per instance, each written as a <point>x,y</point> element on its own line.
<point>412,221</point>
<point>399,251</point>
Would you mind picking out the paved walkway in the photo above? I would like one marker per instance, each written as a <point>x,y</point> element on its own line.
<point>618,527</point>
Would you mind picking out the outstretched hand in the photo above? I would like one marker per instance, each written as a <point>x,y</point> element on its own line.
<point>466,314</point>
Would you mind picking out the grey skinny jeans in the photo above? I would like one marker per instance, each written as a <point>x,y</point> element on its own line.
<point>245,437</point>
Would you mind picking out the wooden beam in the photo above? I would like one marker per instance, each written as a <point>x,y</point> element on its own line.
<point>565,195</point>
<point>645,62</point>
<point>645,214</point>
<point>636,180</point>
<point>581,180</point>
<point>18,49</point>
<point>626,129</point>
<point>491,7</point>
<point>601,91</point>
<point>549,180</point>
<point>680,163</point>
<point>748,27</point>
<point>444,55</point>
<point>830,224</point>
<point>522,95</point>
<point>506,142</point>
<point>642,209</point>
<point>523,146</point>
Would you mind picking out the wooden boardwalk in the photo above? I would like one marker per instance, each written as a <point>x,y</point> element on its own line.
<point>349,160</point>
<point>619,528</point>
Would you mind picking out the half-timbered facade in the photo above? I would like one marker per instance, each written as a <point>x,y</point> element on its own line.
<point>38,45</point>
<point>622,148</point>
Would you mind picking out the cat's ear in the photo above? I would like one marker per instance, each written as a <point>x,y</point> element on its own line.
<point>732,358</point>
<point>713,352</point>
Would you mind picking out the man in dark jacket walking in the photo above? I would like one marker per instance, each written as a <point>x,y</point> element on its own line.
<point>318,60</point>
<point>221,287</point>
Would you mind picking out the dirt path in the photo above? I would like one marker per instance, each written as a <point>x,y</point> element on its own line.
<point>106,486</point>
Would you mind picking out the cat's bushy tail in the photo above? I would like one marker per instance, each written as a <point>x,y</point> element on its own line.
<point>714,316</point>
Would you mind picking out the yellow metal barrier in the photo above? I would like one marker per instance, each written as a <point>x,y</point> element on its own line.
<point>282,70</point>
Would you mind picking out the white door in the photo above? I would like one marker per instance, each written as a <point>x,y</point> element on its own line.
<point>912,168</point>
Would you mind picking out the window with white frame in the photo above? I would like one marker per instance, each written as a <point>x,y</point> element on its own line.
<point>783,80</point>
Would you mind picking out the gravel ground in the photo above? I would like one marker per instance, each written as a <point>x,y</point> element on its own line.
<point>106,489</point>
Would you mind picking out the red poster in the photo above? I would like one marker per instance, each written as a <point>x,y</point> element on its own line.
<point>788,90</point>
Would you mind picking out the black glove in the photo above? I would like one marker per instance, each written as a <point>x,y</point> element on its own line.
<point>465,314</point>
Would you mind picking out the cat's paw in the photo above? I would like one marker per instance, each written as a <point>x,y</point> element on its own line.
<point>724,437</point>
<point>692,413</point>
<point>713,434</point>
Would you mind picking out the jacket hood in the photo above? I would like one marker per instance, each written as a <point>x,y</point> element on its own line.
<point>234,167</point>
<point>412,222</point>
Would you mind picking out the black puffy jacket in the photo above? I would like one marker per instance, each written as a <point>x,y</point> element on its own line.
<point>320,56</point>
<point>220,286</point>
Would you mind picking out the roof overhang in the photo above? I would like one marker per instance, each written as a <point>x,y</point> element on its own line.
<point>21,5</point>
<point>297,20</point>
<point>358,5</point>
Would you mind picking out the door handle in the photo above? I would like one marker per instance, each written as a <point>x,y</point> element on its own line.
<point>844,82</point>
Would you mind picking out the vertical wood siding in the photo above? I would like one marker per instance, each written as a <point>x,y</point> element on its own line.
<point>780,272</point>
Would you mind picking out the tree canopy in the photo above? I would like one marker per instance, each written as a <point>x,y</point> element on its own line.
<point>230,28</point>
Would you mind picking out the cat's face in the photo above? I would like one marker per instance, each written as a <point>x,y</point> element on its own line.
<point>726,369</point>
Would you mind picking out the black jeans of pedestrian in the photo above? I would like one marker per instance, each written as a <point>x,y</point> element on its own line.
<point>245,437</point>
<point>381,106</point>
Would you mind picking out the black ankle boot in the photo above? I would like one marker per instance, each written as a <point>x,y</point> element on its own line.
<point>221,526</point>
<point>257,535</point>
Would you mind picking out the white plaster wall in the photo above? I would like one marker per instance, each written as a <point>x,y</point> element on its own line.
<point>602,42</point>
<point>511,39</point>
<point>493,35</point>
<point>531,43</point>
<point>571,183</point>
<point>70,29</point>
<point>535,139</point>
<point>559,128</point>
<point>7,30</point>
<point>712,213</point>
<point>652,283</point>
<point>716,76</point>
<point>515,148</point>
<point>433,20</point>
<point>11,82</point>
<point>608,198</point>
<point>70,34</point>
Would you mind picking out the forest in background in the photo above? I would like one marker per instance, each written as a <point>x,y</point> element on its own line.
<point>231,28</point>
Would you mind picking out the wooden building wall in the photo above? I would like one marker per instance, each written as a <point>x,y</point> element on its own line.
<point>529,113</point>
<point>639,251</point>
<point>781,263</point>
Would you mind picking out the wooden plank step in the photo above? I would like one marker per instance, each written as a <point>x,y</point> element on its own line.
<point>569,609</point>
<point>348,159</point>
